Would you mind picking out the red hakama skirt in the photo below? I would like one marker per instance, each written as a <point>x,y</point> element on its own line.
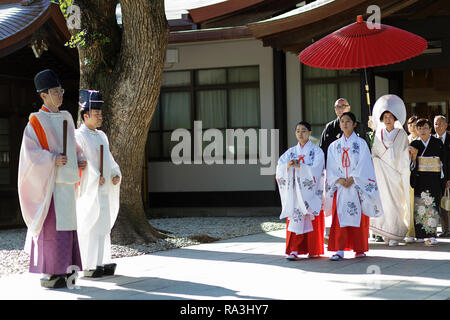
<point>348,238</point>
<point>311,242</point>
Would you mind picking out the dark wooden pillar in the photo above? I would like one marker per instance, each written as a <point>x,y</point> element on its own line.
<point>280,100</point>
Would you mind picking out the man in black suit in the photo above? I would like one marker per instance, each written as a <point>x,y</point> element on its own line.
<point>333,130</point>
<point>440,126</point>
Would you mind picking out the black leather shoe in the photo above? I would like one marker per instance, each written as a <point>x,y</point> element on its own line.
<point>55,282</point>
<point>96,273</point>
<point>109,269</point>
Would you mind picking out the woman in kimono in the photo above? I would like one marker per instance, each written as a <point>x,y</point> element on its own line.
<point>390,155</point>
<point>300,181</point>
<point>427,179</point>
<point>412,128</point>
<point>351,192</point>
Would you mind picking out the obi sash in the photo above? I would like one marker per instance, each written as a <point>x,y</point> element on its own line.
<point>429,164</point>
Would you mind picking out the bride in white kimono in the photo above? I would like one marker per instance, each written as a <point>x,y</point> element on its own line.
<point>300,182</point>
<point>390,154</point>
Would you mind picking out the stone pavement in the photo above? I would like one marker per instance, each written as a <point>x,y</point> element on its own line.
<point>254,267</point>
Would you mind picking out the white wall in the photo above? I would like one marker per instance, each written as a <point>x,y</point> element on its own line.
<point>167,177</point>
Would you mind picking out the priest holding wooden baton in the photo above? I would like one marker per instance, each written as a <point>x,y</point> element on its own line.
<point>49,165</point>
<point>98,199</point>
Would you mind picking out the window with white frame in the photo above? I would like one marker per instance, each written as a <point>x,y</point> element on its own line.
<point>322,88</point>
<point>222,98</point>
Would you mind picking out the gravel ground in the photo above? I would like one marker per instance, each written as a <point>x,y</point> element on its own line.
<point>183,231</point>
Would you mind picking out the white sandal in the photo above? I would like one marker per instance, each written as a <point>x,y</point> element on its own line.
<point>292,256</point>
<point>431,242</point>
<point>336,257</point>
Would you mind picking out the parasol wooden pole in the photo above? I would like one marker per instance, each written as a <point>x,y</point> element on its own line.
<point>367,92</point>
<point>65,137</point>
<point>370,123</point>
<point>101,160</point>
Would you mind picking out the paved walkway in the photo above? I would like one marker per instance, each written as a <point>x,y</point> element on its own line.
<point>253,267</point>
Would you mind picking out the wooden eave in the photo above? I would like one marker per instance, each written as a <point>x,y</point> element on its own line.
<point>240,32</point>
<point>214,11</point>
<point>17,28</point>
<point>238,12</point>
<point>294,32</point>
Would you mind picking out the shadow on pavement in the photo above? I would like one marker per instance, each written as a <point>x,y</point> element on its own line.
<point>153,288</point>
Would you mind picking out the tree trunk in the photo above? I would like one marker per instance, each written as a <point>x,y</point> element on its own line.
<point>126,66</point>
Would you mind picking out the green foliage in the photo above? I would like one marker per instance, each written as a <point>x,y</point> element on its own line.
<point>82,39</point>
<point>88,62</point>
<point>371,137</point>
<point>64,5</point>
<point>77,40</point>
<point>99,38</point>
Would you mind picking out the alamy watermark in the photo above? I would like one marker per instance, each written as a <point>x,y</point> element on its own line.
<point>74,17</point>
<point>213,153</point>
<point>373,281</point>
<point>71,281</point>
<point>374,20</point>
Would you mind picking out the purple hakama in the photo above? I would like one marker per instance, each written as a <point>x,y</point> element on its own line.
<point>57,250</point>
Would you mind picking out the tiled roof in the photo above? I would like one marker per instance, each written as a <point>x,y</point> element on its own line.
<point>18,21</point>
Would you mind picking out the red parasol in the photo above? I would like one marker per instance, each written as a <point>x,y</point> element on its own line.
<point>357,46</point>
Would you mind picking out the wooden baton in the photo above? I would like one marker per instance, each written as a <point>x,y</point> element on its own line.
<point>65,137</point>
<point>101,160</point>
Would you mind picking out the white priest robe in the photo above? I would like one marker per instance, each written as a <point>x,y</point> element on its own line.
<point>391,162</point>
<point>39,179</point>
<point>350,157</point>
<point>97,206</point>
<point>301,188</point>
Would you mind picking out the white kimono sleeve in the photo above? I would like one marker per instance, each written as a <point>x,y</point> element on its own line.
<point>114,190</point>
<point>332,175</point>
<point>365,183</point>
<point>36,181</point>
<point>300,191</point>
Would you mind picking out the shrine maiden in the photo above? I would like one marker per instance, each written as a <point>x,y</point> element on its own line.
<point>300,182</point>
<point>351,191</point>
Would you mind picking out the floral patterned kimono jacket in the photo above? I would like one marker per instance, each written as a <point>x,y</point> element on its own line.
<point>301,191</point>
<point>350,207</point>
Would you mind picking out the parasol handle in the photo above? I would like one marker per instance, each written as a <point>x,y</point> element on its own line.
<point>101,160</point>
<point>65,137</point>
<point>368,96</point>
<point>367,91</point>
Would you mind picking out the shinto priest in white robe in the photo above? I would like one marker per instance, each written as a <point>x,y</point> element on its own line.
<point>350,157</point>
<point>301,189</point>
<point>97,206</point>
<point>40,180</point>
<point>391,162</point>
